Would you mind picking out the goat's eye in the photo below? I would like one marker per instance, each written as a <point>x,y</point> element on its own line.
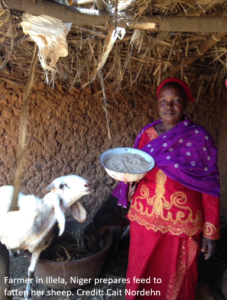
<point>61,186</point>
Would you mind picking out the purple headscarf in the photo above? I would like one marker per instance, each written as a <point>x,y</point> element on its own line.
<point>186,154</point>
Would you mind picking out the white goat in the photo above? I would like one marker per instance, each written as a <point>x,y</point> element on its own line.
<point>31,227</point>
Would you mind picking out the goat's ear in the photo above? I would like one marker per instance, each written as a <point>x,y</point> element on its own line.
<point>50,187</point>
<point>60,216</point>
<point>78,212</point>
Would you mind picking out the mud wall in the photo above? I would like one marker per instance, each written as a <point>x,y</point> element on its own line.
<point>67,133</point>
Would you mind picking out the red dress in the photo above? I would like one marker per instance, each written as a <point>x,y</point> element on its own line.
<point>166,219</point>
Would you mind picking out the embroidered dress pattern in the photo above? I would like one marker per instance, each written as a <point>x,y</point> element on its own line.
<point>155,212</point>
<point>186,256</point>
<point>210,231</point>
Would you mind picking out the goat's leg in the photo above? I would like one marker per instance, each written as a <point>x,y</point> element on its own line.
<point>31,271</point>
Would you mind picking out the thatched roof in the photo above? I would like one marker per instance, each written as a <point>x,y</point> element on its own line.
<point>141,58</point>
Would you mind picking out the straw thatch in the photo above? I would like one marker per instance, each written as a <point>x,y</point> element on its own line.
<point>140,59</point>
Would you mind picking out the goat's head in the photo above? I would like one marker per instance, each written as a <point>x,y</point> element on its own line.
<point>69,189</point>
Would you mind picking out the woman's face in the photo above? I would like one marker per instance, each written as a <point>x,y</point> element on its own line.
<point>171,105</point>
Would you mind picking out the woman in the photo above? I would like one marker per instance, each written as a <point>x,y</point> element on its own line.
<point>173,203</point>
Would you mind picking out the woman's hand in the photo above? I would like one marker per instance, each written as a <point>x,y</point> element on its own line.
<point>208,247</point>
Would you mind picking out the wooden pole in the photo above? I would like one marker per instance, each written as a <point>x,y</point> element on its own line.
<point>201,50</point>
<point>89,17</point>
<point>22,134</point>
<point>68,14</point>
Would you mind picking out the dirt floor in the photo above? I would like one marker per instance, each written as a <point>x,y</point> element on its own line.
<point>211,284</point>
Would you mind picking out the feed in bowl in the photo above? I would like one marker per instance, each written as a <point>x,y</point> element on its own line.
<point>128,163</point>
<point>126,176</point>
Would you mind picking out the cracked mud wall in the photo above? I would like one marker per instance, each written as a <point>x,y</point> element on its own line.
<point>67,133</point>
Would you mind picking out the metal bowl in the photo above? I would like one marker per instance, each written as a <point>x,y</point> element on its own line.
<point>126,177</point>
